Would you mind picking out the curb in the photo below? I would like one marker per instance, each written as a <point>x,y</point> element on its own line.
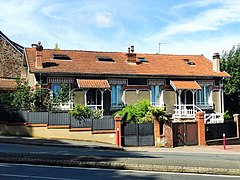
<point>120,166</point>
<point>64,145</point>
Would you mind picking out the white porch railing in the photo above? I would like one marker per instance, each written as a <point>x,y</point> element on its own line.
<point>64,106</point>
<point>157,104</point>
<point>185,111</point>
<point>214,118</point>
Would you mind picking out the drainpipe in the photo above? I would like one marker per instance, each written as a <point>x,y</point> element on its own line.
<point>193,93</point>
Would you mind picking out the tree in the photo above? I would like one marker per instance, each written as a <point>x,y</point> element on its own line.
<point>230,62</point>
<point>56,47</point>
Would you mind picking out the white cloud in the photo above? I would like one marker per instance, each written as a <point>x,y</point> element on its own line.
<point>104,19</point>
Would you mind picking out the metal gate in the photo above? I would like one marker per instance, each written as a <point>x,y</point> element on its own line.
<point>185,133</point>
<point>138,134</point>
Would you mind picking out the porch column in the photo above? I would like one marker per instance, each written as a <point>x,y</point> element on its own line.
<point>201,128</point>
<point>193,93</point>
<point>179,102</point>
<point>102,101</point>
<point>85,97</point>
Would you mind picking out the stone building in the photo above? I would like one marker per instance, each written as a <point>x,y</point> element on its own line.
<point>11,61</point>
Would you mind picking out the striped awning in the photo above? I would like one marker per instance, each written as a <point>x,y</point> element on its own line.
<point>181,85</point>
<point>93,83</point>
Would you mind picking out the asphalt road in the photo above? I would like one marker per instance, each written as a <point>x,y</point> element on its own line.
<point>22,172</point>
<point>163,158</point>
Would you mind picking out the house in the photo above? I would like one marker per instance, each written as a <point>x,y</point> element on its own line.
<point>182,84</point>
<point>11,63</point>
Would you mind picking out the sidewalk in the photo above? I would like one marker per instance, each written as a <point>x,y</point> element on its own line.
<point>57,142</point>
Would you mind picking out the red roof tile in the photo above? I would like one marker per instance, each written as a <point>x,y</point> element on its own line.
<point>93,83</point>
<point>185,85</point>
<point>85,63</point>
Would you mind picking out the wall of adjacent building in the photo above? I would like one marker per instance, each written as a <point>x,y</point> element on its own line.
<point>216,100</point>
<point>10,60</point>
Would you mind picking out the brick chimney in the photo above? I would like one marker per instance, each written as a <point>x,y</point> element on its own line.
<point>216,62</point>
<point>38,60</point>
<point>131,56</point>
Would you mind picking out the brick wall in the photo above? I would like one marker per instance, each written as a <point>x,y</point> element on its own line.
<point>10,60</point>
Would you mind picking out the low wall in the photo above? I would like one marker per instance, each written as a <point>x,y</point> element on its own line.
<point>58,133</point>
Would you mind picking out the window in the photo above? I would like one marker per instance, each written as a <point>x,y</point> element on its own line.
<point>117,95</point>
<point>202,96</point>
<point>156,90</point>
<point>56,88</point>
<point>60,57</point>
<point>61,91</point>
<point>105,59</point>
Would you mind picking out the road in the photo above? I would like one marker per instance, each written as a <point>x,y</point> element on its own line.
<point>162,158</point>
<point>22,172</point>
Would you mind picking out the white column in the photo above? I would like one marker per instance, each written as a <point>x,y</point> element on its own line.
<point>193,93</point>
<point>179,100</point>
<point>85,97</point>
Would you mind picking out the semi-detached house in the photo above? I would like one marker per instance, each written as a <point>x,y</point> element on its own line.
<point>183,84</point>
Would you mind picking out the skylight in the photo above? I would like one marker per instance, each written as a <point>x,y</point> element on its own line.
<point>189,62</point>
<point>141,59</point>
<point>61,57</point>
<point>105,59</point>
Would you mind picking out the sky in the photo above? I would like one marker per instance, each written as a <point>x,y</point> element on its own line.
<point>152,26</point>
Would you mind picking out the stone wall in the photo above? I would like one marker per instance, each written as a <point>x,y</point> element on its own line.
<point>10,60</point>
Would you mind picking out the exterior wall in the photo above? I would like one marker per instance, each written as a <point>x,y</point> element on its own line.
<point>133,96</point>
<point>216,100</point>
<point>31,79</point>
<point>169,98</point>
<point>44,132</point>
<point>10,60</point>
<point>78,97</point>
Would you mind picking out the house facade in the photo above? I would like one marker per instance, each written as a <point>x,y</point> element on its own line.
<point>11,63</point>
<point>182,84</point>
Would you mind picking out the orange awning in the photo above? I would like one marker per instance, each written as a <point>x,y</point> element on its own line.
<point>180,85</point>
<point>93,83</point>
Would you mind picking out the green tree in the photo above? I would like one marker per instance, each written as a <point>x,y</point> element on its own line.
<point>230,62</point>
<point>22,96</point>
<point>56,47</point>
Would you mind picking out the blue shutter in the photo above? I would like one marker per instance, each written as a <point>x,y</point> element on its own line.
<point>153,94</point>
<point>119,94</point>
<point>114,95</point>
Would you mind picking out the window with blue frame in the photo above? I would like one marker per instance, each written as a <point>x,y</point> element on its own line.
<point>56,88</point>
<point>202,96</point>
<point>156,91</point>
<point>117,91</point>
<point>61,91</point>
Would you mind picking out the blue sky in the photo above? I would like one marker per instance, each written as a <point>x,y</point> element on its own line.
<point>185,26</point>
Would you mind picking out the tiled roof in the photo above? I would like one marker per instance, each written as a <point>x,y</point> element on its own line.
<point>7,84</point>
<point>93,83</point>
<point>185,85</point>
<point>85,63</point>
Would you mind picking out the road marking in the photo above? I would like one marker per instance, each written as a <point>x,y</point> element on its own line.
<point>35,177</point>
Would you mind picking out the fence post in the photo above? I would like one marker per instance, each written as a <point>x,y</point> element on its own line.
<point>118,120</point>
<point>201,128</point>
<point>236,118</point>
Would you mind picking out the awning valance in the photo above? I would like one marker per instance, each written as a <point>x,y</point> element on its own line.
<point>181,85</point>
<point>93,83</point>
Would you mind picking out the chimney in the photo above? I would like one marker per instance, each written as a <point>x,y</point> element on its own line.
<point>131,56</point>
<point>38,60</point>
<point>216,62</point>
